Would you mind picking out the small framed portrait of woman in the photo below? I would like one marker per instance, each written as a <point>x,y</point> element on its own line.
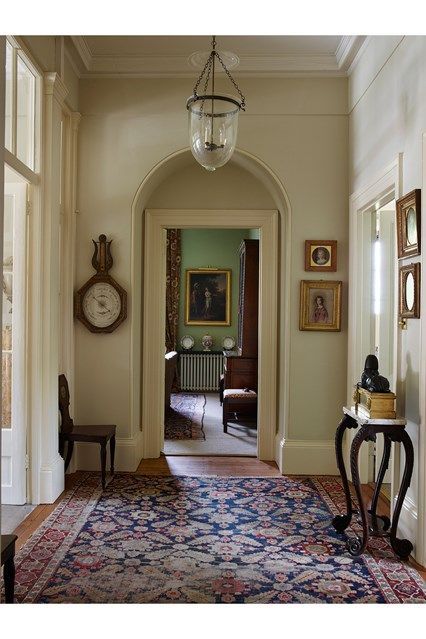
<point>408,224</point>
<point>320,255</point>
<point>208,297</point>
<point>320,305</point>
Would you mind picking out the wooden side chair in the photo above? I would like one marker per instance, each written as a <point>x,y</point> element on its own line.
<point>71,433</point>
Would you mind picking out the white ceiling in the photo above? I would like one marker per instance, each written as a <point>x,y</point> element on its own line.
<point>170,55</point>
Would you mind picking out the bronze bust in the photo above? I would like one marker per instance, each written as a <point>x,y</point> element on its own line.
<point>371,380</point>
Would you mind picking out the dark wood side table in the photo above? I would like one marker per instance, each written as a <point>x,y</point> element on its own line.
<point>8,560</point>
<point>393,431</point>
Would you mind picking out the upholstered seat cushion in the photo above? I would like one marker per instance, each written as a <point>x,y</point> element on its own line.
<point>240,394</point>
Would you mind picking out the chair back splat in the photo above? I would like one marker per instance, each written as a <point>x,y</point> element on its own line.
<point>67,423</point>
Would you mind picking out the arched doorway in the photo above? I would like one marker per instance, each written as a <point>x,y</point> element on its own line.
<point>146,266</point>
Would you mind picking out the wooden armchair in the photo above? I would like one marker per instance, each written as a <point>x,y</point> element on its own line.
<point>71,433</point>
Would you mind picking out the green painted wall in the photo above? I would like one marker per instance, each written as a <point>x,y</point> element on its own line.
<point>253,234</point>
<point>215,248</point>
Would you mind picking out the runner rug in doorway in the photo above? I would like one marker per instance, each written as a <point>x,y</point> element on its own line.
<point>148,539</point>
<point>185,419</point>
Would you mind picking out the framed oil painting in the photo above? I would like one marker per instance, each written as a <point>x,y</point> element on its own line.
<point>320,305</point>
<point>208,297</point>
<point>320,255</point>
<point>409,290</point>
<point>408,224</point>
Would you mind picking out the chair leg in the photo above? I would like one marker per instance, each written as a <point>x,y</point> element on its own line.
<point>225,416</point>
<point>69,454</point>
<point>112,452</point>
<point>103,463</point>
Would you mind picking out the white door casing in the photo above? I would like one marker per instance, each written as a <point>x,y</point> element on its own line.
<point>156,222</point>
<point>383,188</point>
<point>13,478</point>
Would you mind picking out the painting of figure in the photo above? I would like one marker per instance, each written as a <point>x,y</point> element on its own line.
<point>208,293</point>
<point>320,305</point>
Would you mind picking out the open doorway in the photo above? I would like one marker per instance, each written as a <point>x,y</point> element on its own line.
<point>211,336</point>
<point>383,314</point>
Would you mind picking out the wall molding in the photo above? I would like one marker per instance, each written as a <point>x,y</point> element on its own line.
<point>307,457</point>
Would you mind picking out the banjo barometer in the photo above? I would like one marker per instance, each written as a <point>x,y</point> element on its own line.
<point>101,303</point>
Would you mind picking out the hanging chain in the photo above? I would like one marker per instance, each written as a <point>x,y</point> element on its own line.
<point>243,100</point>
<point>207,70</point>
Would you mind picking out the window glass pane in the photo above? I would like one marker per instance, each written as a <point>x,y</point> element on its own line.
<point>7,312</point>
<point>25,114</point>
<point>9,97</point>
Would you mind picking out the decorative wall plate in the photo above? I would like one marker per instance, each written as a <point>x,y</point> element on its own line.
<point>187,342</point>
<point>228,343</point>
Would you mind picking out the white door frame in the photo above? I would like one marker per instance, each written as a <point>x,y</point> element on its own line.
<point>383,188</point>
<point>154,305</point>
<point>421,521</point>
<point>14,476</point>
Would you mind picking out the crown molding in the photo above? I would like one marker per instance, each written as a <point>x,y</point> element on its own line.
<point>347,51</point>
<point>83,51</point>
<point>152,66</point>
<point>177,66</point>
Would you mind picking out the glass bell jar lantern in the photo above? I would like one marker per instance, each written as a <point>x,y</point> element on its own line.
<point>213,118</point>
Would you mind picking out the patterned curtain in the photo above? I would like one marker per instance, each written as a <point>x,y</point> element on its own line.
<point>172,287</point>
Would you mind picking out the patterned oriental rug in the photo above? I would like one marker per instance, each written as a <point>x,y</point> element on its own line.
<point>205,540</point>
<point>186,416</point>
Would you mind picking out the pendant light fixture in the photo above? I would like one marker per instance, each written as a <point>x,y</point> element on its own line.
<point>213,117</point>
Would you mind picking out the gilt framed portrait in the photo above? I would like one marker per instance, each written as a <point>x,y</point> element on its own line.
<point>409,290</point>
<point>408,224</point>
<point>208,297</point>
<point>320,255</point>
<point>320,305</point>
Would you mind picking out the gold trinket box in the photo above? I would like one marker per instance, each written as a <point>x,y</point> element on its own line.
<point>374,405</point>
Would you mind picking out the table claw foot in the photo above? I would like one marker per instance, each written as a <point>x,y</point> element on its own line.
<point>386,522</point>
<point>341,522</point>
<point>402,547</point>
<point>354,546</point>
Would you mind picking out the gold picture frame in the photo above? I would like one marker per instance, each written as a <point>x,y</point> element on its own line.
<point>208,297</point>
<point>408,224</point>
<point>320,305</point>
<point>321,255</point>
<point>409,291</point>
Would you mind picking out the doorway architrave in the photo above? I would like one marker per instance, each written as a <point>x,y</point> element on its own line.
<point>156,223</point>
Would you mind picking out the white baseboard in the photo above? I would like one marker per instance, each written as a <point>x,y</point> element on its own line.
<point>306,457</point>
<point>128,454</point>
<point>408,522</point>
<point>52,481</point>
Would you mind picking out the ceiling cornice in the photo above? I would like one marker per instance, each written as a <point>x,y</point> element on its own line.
<point>83,51</point>
<point>347,50</point>
<point>284,65</point>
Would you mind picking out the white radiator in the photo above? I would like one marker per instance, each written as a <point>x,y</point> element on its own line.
<point>200,371</point>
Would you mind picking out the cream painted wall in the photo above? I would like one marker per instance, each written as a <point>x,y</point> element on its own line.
<point>298,127</point>
<point>387,116</point>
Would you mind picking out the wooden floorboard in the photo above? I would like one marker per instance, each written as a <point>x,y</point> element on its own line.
<point>198,466</point>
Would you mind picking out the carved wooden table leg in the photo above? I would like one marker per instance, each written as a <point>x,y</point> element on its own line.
<point>402,547</point>
<point>355,545</point>
<point>383,468</point>
<point>341,522</point>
